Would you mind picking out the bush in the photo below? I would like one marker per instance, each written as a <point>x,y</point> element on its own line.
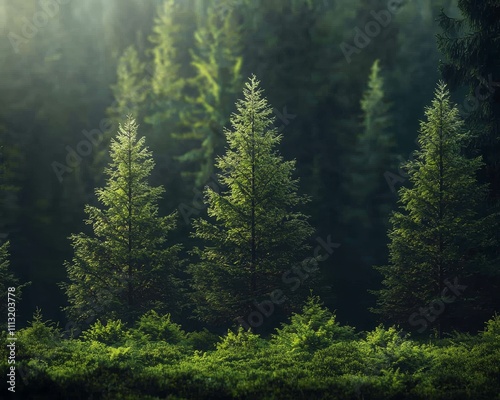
<point>202,340</point>
<point>114,333</point>
<point>312,357</point>
<point>241,341</point>
<point>313,329</point>
<point>160,328</point>
<point>492,330</point>
<point>40,339</point>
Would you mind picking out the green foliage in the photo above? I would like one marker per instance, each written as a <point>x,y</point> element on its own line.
<point>202,340</point>
<point>312,329</point>
<point>112,333</point>
<point>492,328</point>
<point>437,235</point>
<point>199,51</point>
<point>254,232</point>
<point>39,333</point>
<point>168,81</point>
<point>242,342</point>
<point>470,43</point>
<point>368,203</point>
<point>216,60</point>
<point>382,364</point>
<point>160,328</point>
<point>125,268</point>
<point>471,47</point>
<point>7,279</point>
<point>9,165</point>
<point>132,87</point>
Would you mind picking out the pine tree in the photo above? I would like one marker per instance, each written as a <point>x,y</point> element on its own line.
<point>217,61</point>
<point>471,46</point>
<point>125,268</point>
<point>254,233</point>
<point>437,236</point>
<point>366,188</point>
<point>132,87</point>
<point>166,82</point>
<point>8,279</point>
<point>8,155</point>
<point>168,54</point>
<point>367,201</point>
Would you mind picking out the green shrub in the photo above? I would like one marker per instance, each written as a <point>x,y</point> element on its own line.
<point>154,353</point>
<point>313,329</point>
<point>492,330</point>
<point>114,333</point>
<point>202,340</point>
<point>310,358</point>
<point>242,339</point>
<point>38,339</point>
<point>160,328</point>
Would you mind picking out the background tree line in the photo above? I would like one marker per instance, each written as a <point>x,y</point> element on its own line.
<point>179,68</point>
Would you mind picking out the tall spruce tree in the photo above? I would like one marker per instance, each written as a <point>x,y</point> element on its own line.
<point>437,236</point>
<point>367,202</point>
<point>471,46</point>
<point>167,84</point>
<point>369,199</point>
<point>126,267</point>
<point>254,233</point>
<point>216,60</point>
<point>7,279</point>
<point>10,160</point>
<point>132,87</point>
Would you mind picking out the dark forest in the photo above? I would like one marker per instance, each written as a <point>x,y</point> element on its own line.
<point>249,199</point>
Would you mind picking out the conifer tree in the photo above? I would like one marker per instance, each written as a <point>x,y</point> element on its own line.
<point>166,81</point>
<point>9,163</point>
<point>217,61</point>
<point>471,45</point>
<point>367,202</point>
<point>437,235</point>
<point>132,87</point>
<point>366,187</point>
<point>131,93</point>
<point>126,267</point>
<point>168,54</point>
<point>254,232</point>
<point>8,279</point>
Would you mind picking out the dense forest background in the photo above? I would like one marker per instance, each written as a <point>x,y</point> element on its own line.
<point>178,68</point>
<point>241,199</point>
